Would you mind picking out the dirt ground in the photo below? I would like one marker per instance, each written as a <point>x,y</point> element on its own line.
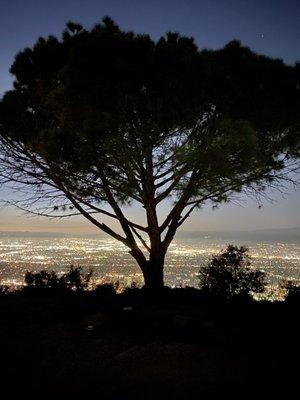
<point>70,348</point>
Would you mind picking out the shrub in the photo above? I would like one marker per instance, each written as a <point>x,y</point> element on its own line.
<point>292,290</point>
<point>133,290</point>
<point>74,279</point>
<point>3,290</point>
<point>43,279</point>
<point>229,274</point>
<point>106,291</point>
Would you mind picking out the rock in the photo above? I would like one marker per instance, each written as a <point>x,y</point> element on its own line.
<point>181,320</point>
<point>96,321</point>
<point>128,308</point>
<point>208,324</point>
<point>89,328</point>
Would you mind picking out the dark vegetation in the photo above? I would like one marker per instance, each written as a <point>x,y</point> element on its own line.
<point>229,275</point>
<point>74,279</point>
<point>62,340</point>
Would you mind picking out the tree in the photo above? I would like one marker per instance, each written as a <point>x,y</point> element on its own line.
<point>292,289</point>
<point>74,279</point>
<point>102,119</point>
<point>229,274</point>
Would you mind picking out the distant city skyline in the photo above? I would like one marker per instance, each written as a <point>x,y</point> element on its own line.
<point>269,27</point>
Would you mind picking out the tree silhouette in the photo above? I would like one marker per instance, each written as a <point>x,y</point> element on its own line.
<point>229,274</point>
<point>103,119</point>
<point>74,279</point>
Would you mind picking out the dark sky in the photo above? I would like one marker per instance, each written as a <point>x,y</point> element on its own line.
<point>268,26</point>
<point>271,27</point>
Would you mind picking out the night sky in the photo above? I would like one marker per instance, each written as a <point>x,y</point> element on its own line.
<point>271,27</point>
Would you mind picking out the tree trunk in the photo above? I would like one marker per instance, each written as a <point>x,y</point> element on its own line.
<point>153,272</point>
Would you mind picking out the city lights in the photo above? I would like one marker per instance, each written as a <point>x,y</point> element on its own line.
<point>110,261</point>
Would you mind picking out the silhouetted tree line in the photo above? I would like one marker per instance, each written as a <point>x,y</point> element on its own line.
<point>74,279</point>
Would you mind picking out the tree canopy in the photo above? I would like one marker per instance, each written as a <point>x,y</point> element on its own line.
<point>104,117</point>
<point>229,274</point>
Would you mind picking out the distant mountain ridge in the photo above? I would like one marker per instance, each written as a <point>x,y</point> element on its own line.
<point>288,235</point>
<point>51,234</point>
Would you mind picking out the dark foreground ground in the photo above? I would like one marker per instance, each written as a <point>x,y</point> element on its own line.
<point>178,347</point>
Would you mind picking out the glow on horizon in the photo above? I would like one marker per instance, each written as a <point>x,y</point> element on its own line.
<point>230,217</point>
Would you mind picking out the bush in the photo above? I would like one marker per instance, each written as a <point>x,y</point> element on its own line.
<point>292,290</point>
<point>133,290</point>
<point>43,280</point>
<point>229,275</point>
<point>3,290</point>
<point>74,279</point>
<point>106,291</point>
